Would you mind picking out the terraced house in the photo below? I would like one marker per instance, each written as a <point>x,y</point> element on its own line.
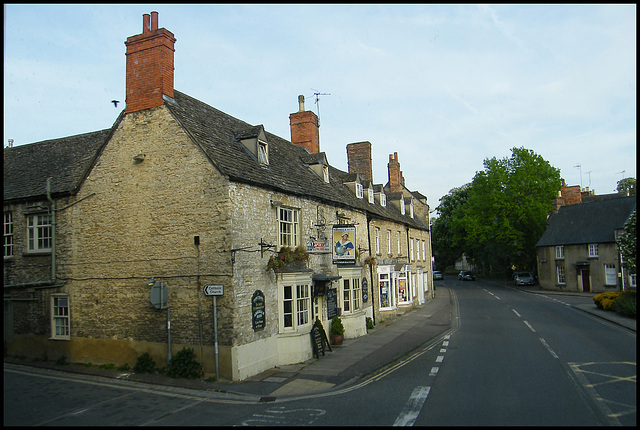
<point>118,242</point>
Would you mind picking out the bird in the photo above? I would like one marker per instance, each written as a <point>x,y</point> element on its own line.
<point>115,102</point>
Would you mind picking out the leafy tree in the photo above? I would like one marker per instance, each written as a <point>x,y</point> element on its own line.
<point>627,244</point>
<point>506,210</point>
<point>447,233</point>
<point>627,184</point>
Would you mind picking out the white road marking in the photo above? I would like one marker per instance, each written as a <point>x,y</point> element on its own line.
<point>443,350</point>
<point>529,325</point>
<point>439,359</point>
<point>546,345</point>
<point>516,312</point>
<point>434,371</point>
<point>445,343</point>
<point>412,409</point>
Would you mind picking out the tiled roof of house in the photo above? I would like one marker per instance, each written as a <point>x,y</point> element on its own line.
<point>65,161</point>
<point>588,222</point>
<point>218,134</point>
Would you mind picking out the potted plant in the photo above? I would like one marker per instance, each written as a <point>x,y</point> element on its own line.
<point>336,331</point>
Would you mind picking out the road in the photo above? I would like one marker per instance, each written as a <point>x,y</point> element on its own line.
<point>510,358</point>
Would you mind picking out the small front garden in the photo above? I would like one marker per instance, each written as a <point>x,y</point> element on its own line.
<point>622,302</point>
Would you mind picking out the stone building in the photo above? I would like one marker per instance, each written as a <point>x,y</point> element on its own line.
<point>114,239</point>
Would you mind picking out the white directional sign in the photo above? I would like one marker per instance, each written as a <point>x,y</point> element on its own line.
<point>213,290</point>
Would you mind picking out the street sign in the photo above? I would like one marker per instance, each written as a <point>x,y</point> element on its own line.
<point>213,290</point>
<point>158,295</point>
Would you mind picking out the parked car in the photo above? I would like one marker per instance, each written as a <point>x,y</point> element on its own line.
<point>466,276</point>
<point>437,275</point>
<point>524,278</point>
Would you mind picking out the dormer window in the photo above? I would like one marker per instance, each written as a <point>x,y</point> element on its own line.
<point>325,173</point>
<point>371,196</point>
<point>359,191</point>
<point>411,209</point>
<point>383,200</point>
<point>263,153</point>
<point>402,207</point>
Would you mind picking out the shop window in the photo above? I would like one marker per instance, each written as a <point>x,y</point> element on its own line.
<point>295,303</point>
<point>386,298</point>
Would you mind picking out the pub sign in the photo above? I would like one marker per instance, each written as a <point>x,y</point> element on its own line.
<point>344,239</point>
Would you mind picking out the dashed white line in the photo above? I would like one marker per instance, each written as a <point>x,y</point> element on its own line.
<point>434,371</point>
<point>412,409</point>
<point>529,325</point>
<point>516,312</point>
<point>445,343</point>
<point>439,359</point>
<point>443,350</point>
<point>546,345</point>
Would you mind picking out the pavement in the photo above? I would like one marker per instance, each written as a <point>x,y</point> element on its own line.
<point>345,365</point>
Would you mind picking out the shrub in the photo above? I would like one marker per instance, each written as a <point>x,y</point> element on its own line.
<point>108,366</point>
<point>184,365</point>
<point>626,304</point>
<point>336,326</point>
<point>370,325</point>
<point>62,361</point>
<point>124,367</point>
<point>144,364</point>
<point>599,299</point>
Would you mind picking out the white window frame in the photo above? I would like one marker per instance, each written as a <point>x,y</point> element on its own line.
<point>417,249</point>
<point>561,278</point>
<point>389,242</point>
<point>377,239</point>
<point>263,153</point>
<point>288,226</point>
<point>383,200</point>
<point>39,232</point>
<point>399,241</point>
<point>359,190</point>
<point>350,291</point>
<point>411,209</point>
<point>402,207</point>
<point>325,173</point>
<point>384,281</point>
<point>8,234</point>
<point>411,249</point>
<point>610,275</point>
<point>424,250</point>
<point>593,250</point>
<point>296,291</point>
<point>559,252</point>
<point>60,317</point>
<point>372,199</point>
<point>632,280</point>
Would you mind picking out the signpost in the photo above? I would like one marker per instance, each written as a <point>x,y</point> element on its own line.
<point>214,291</point>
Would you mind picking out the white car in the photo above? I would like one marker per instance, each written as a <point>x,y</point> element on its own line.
<point>437,275</point>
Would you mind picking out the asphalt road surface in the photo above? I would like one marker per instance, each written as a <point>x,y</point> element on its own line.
<point>510,358</point>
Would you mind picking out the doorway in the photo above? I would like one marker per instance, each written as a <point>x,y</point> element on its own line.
<point>586,286</point>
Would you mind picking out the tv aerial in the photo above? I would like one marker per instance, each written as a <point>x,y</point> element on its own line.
<point>317,95</point>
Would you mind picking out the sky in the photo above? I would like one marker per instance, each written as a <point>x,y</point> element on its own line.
<point>444,86</point>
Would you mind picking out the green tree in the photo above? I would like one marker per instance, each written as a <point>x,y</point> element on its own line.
<point>627,244</point>
<point>627,184</point>
<point>506,210</point>
<point>447,233</point>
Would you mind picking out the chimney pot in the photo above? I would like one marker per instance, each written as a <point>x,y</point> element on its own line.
<point>146,23</point>
<point>154,21</point>
<point>300,103</point>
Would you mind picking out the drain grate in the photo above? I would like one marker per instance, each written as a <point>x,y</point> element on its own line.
<point>267,399</point>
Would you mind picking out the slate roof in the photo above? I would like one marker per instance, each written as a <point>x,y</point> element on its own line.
<point>65,160</point>
<point>588,222</point>
<point>218,134</point>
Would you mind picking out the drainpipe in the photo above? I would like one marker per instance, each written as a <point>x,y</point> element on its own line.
<point>52,213</point>
<point>373,283</point>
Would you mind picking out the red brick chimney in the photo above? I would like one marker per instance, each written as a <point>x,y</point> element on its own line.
<point>359,159</point>
<point>149,65</point>
<point>305,129</point>
<point>395,175</point>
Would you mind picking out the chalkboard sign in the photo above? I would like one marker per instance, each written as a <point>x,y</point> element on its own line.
<point>332,303</point>
<point>317,341</point>
<point>257,310</point>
